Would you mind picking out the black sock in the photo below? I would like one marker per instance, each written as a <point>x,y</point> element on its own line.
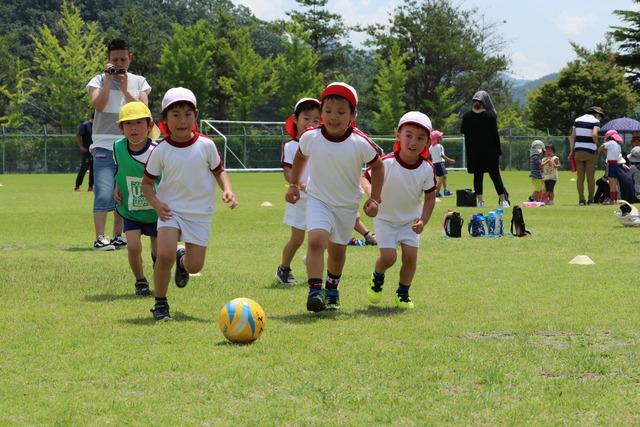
<point>402,290</point>
<point>315,285</point>
<point>378,280</point>
<point>161,301</point>
<point>333,281</point>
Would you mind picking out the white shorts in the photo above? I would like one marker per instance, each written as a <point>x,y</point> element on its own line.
<point>390,235</point>
<point>295,215</point>
<point>194,229</point>
<point>338,222</point>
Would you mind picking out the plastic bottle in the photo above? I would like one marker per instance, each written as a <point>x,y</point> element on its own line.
<point>445,222</point>
<point>499,230</point>
<point>491,223</point>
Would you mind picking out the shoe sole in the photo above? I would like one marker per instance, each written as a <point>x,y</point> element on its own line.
<point>104,248</point>
<point>332,307</point>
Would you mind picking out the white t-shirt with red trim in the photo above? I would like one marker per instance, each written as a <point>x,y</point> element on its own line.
<point>288,154</point>
<point>613,150</point>
<point>188,185</point>
<point>404,186</point>
<point>437,153</point>
<point>335,165</point>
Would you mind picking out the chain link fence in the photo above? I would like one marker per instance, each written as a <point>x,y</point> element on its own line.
<point>244,145</point>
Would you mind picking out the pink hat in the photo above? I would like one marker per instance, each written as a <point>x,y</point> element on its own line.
<point>341,89</point>
<point>436,137</point>
<point>178,94</point>
<point>612,134</point>
<point>416,118</point>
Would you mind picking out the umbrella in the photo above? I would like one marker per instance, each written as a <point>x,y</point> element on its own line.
<point>622,125</point>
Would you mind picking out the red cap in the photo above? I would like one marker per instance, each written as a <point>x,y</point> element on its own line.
<point>341,89</point>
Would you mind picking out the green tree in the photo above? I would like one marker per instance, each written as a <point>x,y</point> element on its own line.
<point>16,93</point>
<point>186,60</point>
<point>592,79</point>
<point>62,66</point>
<point>389,89</point>
<point>253,81</point>
<point>444,46</point>
<point>442,109</point>
<point>324,31</point>
<point>629,39</point>
<point>297,70</point>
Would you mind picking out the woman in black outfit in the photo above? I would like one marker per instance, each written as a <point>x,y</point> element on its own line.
<point>482,146</point>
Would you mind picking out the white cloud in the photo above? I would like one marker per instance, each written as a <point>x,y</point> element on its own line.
<point>524,67</point>
<point>573,25</point>
<point>267,10</point>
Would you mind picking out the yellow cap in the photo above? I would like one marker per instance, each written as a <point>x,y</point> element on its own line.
<point>134,110</point>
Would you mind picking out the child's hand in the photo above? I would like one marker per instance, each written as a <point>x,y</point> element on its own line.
<point>452,160</point>
<point>164,212</point>
<point>230,198</point>
<point>418,226</point>
<point>293,195</point>
<point>116,195</point>
<point>371,207</point>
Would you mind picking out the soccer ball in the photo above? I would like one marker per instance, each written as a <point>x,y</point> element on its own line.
<point>242,320</point>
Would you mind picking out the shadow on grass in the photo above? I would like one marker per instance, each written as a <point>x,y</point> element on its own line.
<point>178,316</point>
<point>114,297</point>
<point>308,317</point>
<point>79,249</point>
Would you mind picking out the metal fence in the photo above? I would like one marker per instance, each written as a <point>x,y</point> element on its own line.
<point>244,145</point>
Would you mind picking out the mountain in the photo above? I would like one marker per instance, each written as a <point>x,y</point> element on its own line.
<point>520,88</point>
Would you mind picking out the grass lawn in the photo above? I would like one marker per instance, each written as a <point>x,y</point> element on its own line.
<point>505,331</point>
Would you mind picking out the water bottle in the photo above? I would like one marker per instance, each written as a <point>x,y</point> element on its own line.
<point>499,222</point>
<point>491,224</point>
<point>445,222</point>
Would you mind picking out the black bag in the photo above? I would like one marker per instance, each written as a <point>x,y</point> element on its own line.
<point>465,198</point>
<point>453,225</point>
<point>518,227</point>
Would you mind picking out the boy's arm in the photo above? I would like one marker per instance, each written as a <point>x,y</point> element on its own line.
<point>377,179</point>
<point>366,185</point>
<point>299,162</point>
<point>228,196</point>
<point>164,213</point>
<point>602,148</point>
<point>427,210</point>
<point>448,159</point>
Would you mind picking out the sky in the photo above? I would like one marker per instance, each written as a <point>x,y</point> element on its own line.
<point>537,32</point>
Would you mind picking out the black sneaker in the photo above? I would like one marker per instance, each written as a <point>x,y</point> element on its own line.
<point>284,276</point>
<point>315,300</point>
<point>142,288</point>
<point>118,242</point>
<point>182,276</point>
<point>161,312</point>
<point>332,300</point>
<point>582,202</point>
<point>103,244</point>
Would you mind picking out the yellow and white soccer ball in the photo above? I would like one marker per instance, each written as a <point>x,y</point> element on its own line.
<point>242,320</point>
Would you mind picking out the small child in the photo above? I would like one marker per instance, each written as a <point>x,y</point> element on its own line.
<point>550,164</point>
<point>185,197</point>
<point>130,154</point>
<point>634,168</point>
<point>535,162</point>
<point>402,217</point>
<point>612,146</point>
<point>438,159</point>
<point>335,151</point>
<point>306,114</point>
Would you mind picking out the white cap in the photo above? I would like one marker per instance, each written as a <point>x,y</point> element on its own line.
<point>416,118</point>
<point>177,94</point>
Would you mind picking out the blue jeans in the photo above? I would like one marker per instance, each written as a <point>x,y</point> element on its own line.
<point>104,171</point>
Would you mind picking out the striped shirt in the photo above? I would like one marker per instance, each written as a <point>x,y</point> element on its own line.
<point>584,126</point>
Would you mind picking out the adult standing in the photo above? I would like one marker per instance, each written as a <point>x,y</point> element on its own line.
<point>109,91</point>
<point>482,146</point>
<point>83,139</point>
<point>583,145</point>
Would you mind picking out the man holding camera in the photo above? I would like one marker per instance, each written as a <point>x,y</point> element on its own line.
<point>109,91</point>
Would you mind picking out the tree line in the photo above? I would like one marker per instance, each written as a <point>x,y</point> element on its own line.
<point>431,56</point>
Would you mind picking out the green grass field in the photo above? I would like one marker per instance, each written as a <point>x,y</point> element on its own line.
<point>505,331</point>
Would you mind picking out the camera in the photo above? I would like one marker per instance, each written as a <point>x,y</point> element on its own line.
<point>115,70</point>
